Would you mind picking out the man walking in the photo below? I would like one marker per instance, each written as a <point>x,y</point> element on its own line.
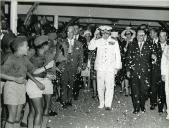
<point>108,61</point>
<point>139,59</point>
<point>73,51</point>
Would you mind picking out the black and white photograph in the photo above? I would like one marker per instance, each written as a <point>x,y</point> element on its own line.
<point>84,64</point>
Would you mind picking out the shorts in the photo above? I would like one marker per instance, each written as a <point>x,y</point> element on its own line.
<point>14,93</point>
<point>33,90</point>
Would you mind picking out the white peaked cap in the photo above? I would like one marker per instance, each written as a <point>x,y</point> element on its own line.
<point>105,27</point>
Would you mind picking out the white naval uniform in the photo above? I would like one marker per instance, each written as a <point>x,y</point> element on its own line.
<point>108,61</point>
<point>165,72</point>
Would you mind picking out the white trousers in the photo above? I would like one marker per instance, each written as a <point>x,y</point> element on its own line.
<point>167,92</point>
<point>105,87</point>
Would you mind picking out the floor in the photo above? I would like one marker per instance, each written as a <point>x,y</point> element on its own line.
<point>85,114</point>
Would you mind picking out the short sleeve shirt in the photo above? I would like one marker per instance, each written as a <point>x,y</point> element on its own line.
<point>17,66</point>
<point>38,62</point>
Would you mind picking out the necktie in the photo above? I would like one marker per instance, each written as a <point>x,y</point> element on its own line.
<point>77,37</point>
<point>70,47</point>
<point>141,43</point>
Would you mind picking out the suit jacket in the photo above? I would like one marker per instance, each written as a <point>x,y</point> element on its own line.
<point>138,61</point>
<point>108,56</point>
<point>158,52</point>
<point>75,59</point>
<point>85,47</point>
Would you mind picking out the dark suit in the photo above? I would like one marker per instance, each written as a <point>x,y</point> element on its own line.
<point>139,64</point>
<point>79,80</point>
<point>85,47</point>
<point>74,60</point>
<point>157,85</point>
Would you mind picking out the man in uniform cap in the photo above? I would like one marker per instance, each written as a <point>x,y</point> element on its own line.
<point>108,61</point>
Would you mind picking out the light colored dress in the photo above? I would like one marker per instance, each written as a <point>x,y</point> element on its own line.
<point>86,71</point>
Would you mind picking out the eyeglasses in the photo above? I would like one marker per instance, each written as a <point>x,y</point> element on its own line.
<point>70,32</point>
<point>107,33</point>
<point>142,35</point>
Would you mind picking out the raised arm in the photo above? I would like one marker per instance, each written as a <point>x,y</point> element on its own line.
<point>93,44</point>
<point>118,57</point>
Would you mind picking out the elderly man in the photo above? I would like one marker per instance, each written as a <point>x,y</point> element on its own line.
<point>73,52</point>
<point>108,61</point>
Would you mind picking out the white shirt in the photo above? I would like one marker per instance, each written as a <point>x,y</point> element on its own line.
<point>71,43</point>
<point>155,40</point>
<point>140,45</point>
<point>108,56</point>
<point>76,37</point>
<point>163,45</point>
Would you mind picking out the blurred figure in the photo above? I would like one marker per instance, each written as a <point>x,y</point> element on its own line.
<point>165,75</point>
<point>128,35</point>
<point>86,68</point>
<point>156,71</point>
<point>79,82</point>
<point>92,57</point>
<point>161,89</point>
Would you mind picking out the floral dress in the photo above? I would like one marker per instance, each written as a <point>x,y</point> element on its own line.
<point>92,63</point>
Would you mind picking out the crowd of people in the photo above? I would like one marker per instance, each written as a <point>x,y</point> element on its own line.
<point>45,62</point>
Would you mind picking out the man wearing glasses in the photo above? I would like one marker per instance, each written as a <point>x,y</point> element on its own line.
<point>139,58</point>
<point>108,61</point>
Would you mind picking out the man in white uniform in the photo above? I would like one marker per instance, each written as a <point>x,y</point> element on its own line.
<point>107,63</point>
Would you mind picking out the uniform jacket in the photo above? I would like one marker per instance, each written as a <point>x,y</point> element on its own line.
<point>108,56</point>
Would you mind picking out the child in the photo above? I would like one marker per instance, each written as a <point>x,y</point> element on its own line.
<point>165,75</point>
<point>16,65</point>
<point>37,108</point>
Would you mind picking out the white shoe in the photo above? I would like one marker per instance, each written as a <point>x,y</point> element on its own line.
<point>167,117</point>
<point>101,106</point>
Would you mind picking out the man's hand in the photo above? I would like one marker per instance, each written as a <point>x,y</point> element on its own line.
<point>116,71</point>
<point>128,74</point>
<point>50,64</point>
<point>79,70</point>
<point>154,58</point>
<point>163,77</point>
<point>20,80</point>
<point>40,85</point>
<point>84,66</point>
<point>96,34</point>
<point>51,77</point>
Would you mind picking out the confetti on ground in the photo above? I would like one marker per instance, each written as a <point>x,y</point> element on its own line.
<point>85,114</point>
